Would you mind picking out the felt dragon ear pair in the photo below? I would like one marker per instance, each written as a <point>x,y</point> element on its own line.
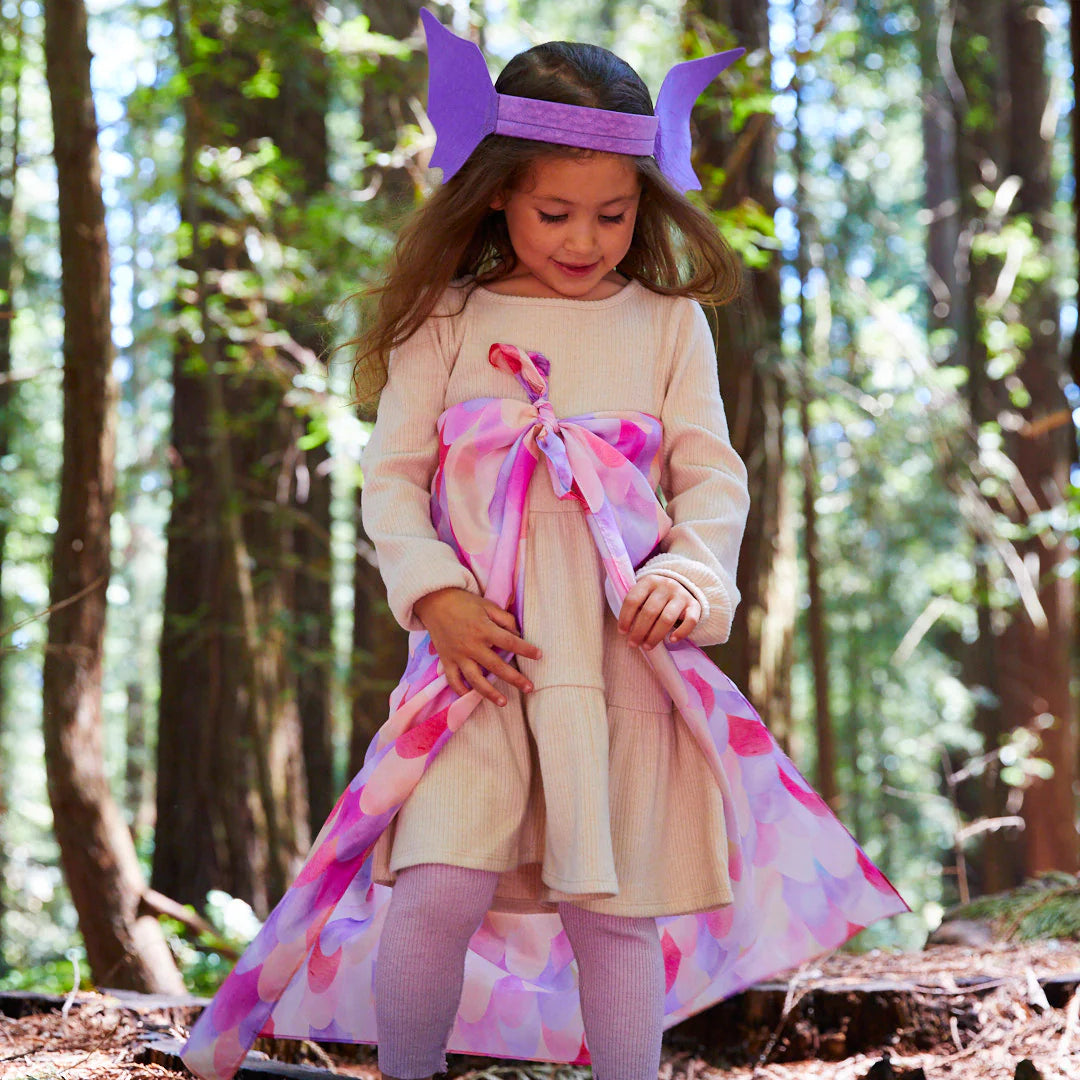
<point>464,107</point>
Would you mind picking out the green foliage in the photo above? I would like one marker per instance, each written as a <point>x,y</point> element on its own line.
<point>747,228</point>
<point>51,977</point>
<point>265,83</point>
<point>1047,906</point>
<point>202,962</point>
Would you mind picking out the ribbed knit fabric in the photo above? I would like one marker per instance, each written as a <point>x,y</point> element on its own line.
<point>621,977</point>
<point>434,911</point>
<point>634,350</point>
<point>590,788</point>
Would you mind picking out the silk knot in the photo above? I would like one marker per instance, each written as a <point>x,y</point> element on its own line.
<point>546,415</point>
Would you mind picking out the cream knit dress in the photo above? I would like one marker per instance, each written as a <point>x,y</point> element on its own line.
<point>590,788</point>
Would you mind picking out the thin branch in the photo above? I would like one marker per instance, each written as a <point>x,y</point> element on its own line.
<point>55,607</point>
<point>159,904</point>
<point>24,376</point>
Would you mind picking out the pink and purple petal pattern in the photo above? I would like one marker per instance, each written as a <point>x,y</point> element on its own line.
<point>801,884</point>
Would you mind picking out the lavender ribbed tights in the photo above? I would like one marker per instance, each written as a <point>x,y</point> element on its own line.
<point>434,911</point>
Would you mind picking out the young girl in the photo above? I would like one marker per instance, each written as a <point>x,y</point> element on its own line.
<point>611,840</point>
<point>572,784</point>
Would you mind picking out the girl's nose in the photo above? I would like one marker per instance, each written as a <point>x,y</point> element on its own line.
<point>582,237</point>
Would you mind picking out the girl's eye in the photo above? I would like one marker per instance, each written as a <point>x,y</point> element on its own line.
<point>554,219</point>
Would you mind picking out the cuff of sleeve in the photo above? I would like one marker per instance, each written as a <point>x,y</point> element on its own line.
<point>717,610</point>
<point>424,581</point>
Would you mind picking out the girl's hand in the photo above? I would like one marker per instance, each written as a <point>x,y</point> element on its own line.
<point>653,606</point>
<point>465,631</point>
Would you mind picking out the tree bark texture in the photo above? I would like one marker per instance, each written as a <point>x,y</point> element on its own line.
<point>231,757</point>
<point>1035,658</point>
<point>10,105</point>
<point>759,653</point>
<point>1074,132</point>
<point>978,96</point>
<point>125,948</point>
<point>1024,652</point>
<point>815,613</point>
<point>298,127</point>
<point>313,647</point>
<point>942,195</point>
<point>380,648</point>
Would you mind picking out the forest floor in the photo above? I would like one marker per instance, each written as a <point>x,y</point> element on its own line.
<point>956,1013</point>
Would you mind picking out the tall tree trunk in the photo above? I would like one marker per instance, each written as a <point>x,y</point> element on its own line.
<point>135,771</point>
<point>1025,652</point>
<point>1074,345</point>
<point>379,645</point>
<point>298,128</point>
<point>238,772</point>
<point>125,948</point>
<point>314,621</point>
<point>979,100</point>
<point>10,91</point>
<point>1074,131</point>
<point>941,198</point>
<point>1034,658</point>
<point>758,654</point>
<point>815,612</point>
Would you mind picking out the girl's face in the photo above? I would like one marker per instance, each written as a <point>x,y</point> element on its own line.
<point>571,223</point>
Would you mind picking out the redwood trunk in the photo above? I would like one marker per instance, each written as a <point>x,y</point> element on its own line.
<point>942,195</point>
<point>815,612</point>
<point>231,762</point>
<point>125,949</point>
<point>1035,660</point>
<point>10,77</point>
<point>1026,661</point>
<point>758,655</point>
<point>298,127</point>
<point>379,645</point>
<point>979,150</point>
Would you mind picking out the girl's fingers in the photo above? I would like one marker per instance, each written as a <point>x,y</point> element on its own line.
<point>667,618</point>
<point>690,618</point>
<point>476,679</point>
<point>454,679</point>
<point>507,672</point>
<point>500,615</point>
<point>646,617</point>
<point>506,639</point>
<point>510,639</point>
<point>631,605</point>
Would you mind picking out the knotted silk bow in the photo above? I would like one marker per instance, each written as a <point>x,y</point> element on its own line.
<point>802,885</point>
<point>464,107</point>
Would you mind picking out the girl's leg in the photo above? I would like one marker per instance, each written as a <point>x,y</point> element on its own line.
<point>420,970</point>
<point>622,981</point>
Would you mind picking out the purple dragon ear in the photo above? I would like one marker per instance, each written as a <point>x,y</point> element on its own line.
<point>682,87</point>
<point>464,108</point>
<point>462,102</point>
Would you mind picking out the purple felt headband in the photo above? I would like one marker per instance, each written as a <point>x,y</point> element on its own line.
<point>464,107</point>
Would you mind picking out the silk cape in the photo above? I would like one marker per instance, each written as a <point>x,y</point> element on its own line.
<point>802,885</point>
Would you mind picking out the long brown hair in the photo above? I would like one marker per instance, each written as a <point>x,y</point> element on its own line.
<point>676,249</point>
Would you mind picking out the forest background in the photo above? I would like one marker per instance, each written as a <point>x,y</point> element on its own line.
<point>194,641</point>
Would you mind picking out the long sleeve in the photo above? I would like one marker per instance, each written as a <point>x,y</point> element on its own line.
<point>703,480</point>
<point>398,464</point>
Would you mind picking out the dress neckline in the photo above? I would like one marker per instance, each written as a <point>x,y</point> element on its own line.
<point>562,301</point>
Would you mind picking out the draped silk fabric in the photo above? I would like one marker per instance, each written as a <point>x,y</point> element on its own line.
<point>801,884</point>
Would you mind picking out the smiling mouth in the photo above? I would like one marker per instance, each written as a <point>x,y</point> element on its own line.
<point>577,268</point>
